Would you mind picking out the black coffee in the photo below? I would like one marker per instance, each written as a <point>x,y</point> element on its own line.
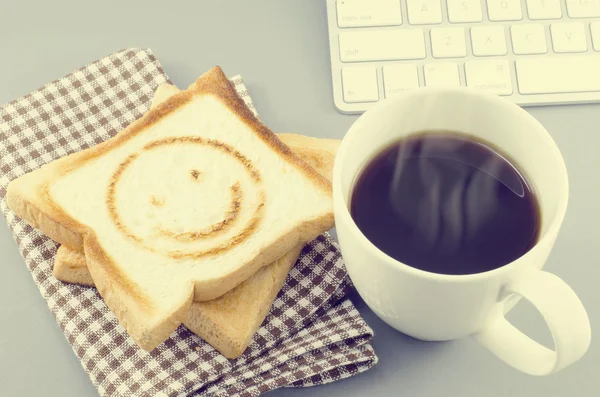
<point>446,203</point>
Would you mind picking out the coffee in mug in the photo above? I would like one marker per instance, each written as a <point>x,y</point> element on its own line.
<point>446,203</point>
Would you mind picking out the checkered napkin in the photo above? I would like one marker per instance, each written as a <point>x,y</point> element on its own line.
<point>312,335</point>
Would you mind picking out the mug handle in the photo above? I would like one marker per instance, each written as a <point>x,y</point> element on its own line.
<point>564,314</point>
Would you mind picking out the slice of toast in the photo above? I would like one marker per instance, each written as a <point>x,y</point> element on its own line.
<point>182,205</point>
<point>229,322</point>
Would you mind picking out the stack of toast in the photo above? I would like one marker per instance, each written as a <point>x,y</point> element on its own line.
<point>193,214</point>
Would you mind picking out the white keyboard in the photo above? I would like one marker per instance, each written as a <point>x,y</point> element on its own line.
<point>534,52</point>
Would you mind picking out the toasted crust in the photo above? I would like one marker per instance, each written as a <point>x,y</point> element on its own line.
<point>28,198</point>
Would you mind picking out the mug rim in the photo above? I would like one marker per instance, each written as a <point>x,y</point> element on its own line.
<point>342,214</point>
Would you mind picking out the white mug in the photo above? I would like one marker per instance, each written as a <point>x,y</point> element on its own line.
<point>437,307</point>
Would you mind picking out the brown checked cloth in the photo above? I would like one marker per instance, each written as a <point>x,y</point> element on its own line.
<point>313,333</point>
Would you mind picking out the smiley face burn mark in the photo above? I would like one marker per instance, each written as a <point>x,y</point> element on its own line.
<point>157,202</point>
<point>204,197</point>
<point>195,174</point>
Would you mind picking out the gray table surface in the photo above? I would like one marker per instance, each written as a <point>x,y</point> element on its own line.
<point>280,47</point>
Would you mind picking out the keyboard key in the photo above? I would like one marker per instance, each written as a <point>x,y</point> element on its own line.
<point>566,74</point>
<point>488,40</point>
<point>423,12</point>
<point>504,10</point>
<point>360,84</point>
<point>356,13</point>
<point>464,11</point>
<point>441,75</point>
<point>568,37</point>
<point>399,78</point>
<point>544,9</point>
<point>595,27</point>
<point>491,76</point>
<point>381,45</point>
<point>528,39</point>
<point>583,8</point>
<point>448,42</point>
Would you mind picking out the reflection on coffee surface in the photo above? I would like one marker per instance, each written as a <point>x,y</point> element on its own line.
<point>446,203</point>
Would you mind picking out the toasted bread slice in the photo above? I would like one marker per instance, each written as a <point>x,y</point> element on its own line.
<point>229,322</point>
<point>185,203</point>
